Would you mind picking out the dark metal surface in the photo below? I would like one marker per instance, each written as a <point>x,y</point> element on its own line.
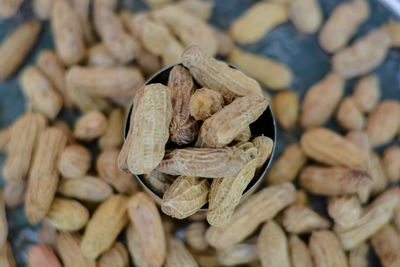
<point>299,51</point>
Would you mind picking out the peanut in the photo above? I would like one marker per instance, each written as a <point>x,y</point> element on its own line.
<point>367,93</point>
<point>360,139</point>
<point>17,45</point>
<point>244,136</point>
<point>74,161</point>
<point>135,247</point>
<point>364,55</point>
<point>82,7</point>
<point>90,126</point>
<point>345,211</point>
<point>87,188</point>
<point>100,56</point>
<point>67,32</point>
<point>217,75</point>
<point>306,15</point>
<point>150,129</point>
<point>42,8</point>
<point>178,255</point>
<point>286,168</point>
<point>203,162</point>
<point>158,182</point>
<point>286,108</point>
<point>349,116</point>
<point>300,219</point>
<point>391,163</point>
<point>332,181</point>
<point>257,21</point>
<point>116,256</point>
<point>144,216</point>
<point>278,76</point>
<point>325,249</point>
<point>68,247</point>
<point>264,147</point>
<point>112,138</point>
<point>342,24</point>
<point>204,103</point>
<point>183,128</point>
<point>8,8</point>
<point>198,8</point>
<point>299,252</point>
<point>386,244</point>
<point>378,174</point>
<point>383,122</point>
<point>321,101</point>
<point>195,236</point>
<point>358,256</point>
<point>257,209</point>
<point>237,254</point>
<point>43,175</point>
<point>67,215</point>
<point>42,255</point>
<point>107,221</point>
<point>272,246</point>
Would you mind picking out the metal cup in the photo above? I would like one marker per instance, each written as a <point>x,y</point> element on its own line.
<point>264,125</point>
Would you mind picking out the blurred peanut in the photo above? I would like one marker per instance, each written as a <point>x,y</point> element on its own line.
<point>74,161</point>
<point>286,109</point>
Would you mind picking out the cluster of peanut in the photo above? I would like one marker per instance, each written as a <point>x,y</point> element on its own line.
<point>216,137</point>
<point>98,67</point>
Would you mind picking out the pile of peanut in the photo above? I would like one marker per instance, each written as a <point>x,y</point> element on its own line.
<point>102,57</point>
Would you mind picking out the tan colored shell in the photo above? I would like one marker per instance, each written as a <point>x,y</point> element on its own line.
<point>8,8</point>
<point>158,182</point>
<point>325,249</point>
<point>6,255</point>
<point>14,194</point>
<point>43,174</point>
<point>183,128</point>
<point>244,136</point>
<point>178,255</point>
<point>242,253</point>
<point>106,81</point>
<point>150,129</point>
<point>67,32</point>
<point>288,166</point>
<point>203,162</point>
<point>374,216</point>
<point>301,198</point>
<point>225,194</point>
<point>107,221</point>
<point>111,31</point>
<point>159,40</point>
<point>204,103</point>
<point>107,168</point>
<point>278,76</point>
<point>217,75</point>
<point>367,92</point>
<point>145,218</point>
<point>100,56</point>
<point>16,46</point>
<point>135,247</point>
<point>364,55</point>
<point>299,252</point>
<point>90,126</point>
<point>74,161</point>
<point>258,208</point>
<point>42,8</point>
<point>345,210</point>
<point>198,8</point>
<point>188,28</point>
<point>221,128</point>
<point>24,135</point>
<point>299,219</point>
<point>332,181</point>
<point>328,147</point>
<point>116,256</point>
<point>67,215</point>
<point>40,92</point>
<point>82,7</point>
<point>286,109</point>
<point>321,100</point>
<point>257,21</point>
<point>342,24</point>
<point>195,236</point>
<point>392,28</point>
<point>272,246</point>
<point>383,122</point>
<point>360,139</point>
<point>185,197</point>
<point>42,255</point>
<point>52,67</point>
<point>113,137</point>
<point>349,116</point>
<point>378,174</point>
<point>391,163</point>
<point>87,188</point>
<point>306,15</point>
<point>386,244</point>
<point>264,147</point>
<point>68,248</point>
<point>358,256</point>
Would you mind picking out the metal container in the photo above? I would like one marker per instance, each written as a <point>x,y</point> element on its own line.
<point>265,125</point>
